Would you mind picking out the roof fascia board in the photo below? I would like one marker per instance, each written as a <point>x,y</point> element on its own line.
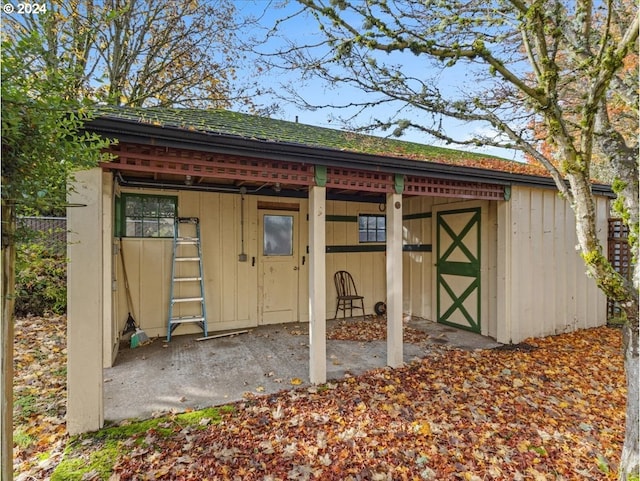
<point>128,131</point>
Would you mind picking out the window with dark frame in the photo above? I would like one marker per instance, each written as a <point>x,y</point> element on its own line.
<point>372,228</point>
<point>148,215</point>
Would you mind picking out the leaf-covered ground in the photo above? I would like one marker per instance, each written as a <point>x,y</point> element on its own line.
<point>373,328</point>
<point>39,395</point>
<point>554,410</point>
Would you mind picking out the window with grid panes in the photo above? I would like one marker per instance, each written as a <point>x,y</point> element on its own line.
<point>372,228</point>
<point>148,215</point>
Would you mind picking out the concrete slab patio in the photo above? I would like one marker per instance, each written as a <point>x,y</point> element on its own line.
<point>188,374</point>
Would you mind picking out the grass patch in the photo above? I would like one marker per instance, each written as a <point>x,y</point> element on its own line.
<point>22,439</point>
<point>26,405</point>
<point>44,456</point>
<point>110,443</point>
<point>99,464</point>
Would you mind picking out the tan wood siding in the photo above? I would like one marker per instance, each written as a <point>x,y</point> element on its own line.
<point>535,247</point>
<point>417,267</point>
<point>230,285</point>
<point>367,268</point>
<point>111,335</point>
<point>491,284</point>
<point>148,265</point>
<point>303,279</point>
<point>545,288</point>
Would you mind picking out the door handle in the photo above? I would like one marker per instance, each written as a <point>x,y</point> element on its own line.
<point>295,268</point>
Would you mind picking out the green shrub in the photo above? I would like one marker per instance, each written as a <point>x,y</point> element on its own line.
<point>41,279</point>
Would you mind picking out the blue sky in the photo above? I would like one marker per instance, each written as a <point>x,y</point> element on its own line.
<point>317,92</point>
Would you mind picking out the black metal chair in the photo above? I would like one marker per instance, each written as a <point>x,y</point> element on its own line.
<point>347,295</point>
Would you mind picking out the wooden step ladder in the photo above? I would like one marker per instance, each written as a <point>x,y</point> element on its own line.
<point>186,275</point>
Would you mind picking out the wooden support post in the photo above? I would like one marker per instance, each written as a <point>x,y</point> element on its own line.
<point>317,286</point>
<point>85,304</point>
<point>394,280</point>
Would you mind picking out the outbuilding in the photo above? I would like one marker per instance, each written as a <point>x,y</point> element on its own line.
<point>476,242</point>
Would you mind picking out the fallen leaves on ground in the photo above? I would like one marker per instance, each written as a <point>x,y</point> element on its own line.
<point>373,328</point>
<point>555,411</point>
<point>39,394</point>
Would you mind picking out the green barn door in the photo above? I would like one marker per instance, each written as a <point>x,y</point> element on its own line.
<point>458,268</point>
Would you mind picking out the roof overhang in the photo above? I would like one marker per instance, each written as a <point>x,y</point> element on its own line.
<point>134,132</point>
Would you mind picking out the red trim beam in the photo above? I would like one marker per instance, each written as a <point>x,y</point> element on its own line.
<point>453,188</point>
<point>212,166</point>
<point>160,160</point>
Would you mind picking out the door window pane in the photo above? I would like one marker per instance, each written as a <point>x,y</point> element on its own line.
<point>278,235</point>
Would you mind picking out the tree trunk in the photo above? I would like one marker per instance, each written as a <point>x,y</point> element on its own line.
<point>630,458</point>
<point>622,290</point>
<point>6,341</point>
<point>624,165</point>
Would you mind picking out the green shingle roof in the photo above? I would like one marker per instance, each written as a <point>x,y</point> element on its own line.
<point>245,126</point>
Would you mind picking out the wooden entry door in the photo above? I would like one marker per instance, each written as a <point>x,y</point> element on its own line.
<point>458,286</point>
<point>278,266</point>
